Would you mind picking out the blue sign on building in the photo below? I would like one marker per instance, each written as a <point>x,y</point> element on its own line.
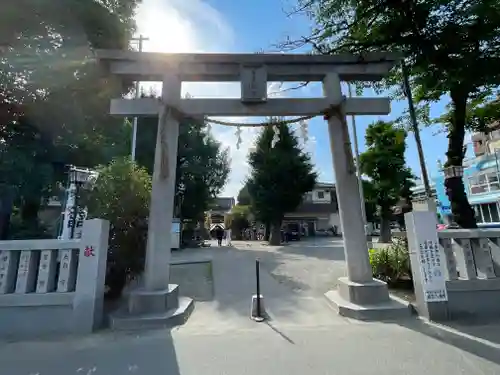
<point>443,203</point>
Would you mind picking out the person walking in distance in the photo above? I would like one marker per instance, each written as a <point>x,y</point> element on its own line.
<point>219,234</point>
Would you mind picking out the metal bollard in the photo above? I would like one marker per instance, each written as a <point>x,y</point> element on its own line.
<point>257,309</point>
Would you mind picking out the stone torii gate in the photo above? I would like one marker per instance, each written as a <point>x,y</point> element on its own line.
<point>358,294</point>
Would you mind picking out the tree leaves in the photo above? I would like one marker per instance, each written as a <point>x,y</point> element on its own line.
<point>384,163</point>
<point>202,164</point>
<point>448,44</point>
<point>49,80</point>
<point>46,42</point>
<point>121,195</point>
<point>450,47</point>
<point>244,198</point>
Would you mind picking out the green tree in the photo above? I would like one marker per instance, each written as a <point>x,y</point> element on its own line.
<point>279,177</point>
<point>384,163</point>
<point>370,196</point>
<point>54,99</point>
<point>244,196</point>
<point>47,47</point>
<point>25,168</point>
<point>122,195</point>
<point>451,47</point>
<point>238,220</point>
<point>46,42</point>
<point>482,112</point>
<point>202,165</point>
<point>482,115</point>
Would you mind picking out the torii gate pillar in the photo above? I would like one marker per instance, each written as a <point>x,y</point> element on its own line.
<point>158,250</point>
<point>358,295</point>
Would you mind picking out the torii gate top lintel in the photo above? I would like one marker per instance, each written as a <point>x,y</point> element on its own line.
<point>253,71</point>
<point>218,67</point>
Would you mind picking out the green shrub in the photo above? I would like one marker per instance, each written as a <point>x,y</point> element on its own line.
<point>122,195</point>
<point>392,264</point>
<point>21,230</point>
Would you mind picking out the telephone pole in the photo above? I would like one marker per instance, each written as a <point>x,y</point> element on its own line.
<point>140,40</point>
<point>431,201</point>
<point>358,171</point>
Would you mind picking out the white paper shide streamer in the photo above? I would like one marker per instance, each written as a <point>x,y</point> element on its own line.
<point>304,131</point>
<point>238,137</point>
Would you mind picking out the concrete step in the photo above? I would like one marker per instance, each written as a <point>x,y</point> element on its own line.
<point>394,309</point>
<point>122,320</point>
<point>141,301</point>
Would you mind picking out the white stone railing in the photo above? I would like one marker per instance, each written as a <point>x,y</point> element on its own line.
<point>456,272</point>
<point>38,266</point>
<point>470,254</point>
<point>55,273</point>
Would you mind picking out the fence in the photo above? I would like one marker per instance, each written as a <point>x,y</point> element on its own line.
<point>53,286</point>
<point>456,272</point>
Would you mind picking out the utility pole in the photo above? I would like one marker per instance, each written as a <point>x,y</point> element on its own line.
<point>358,171</point>
<point>140,39</point>
<point>431,201</point>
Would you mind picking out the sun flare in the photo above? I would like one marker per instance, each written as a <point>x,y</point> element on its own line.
<point>166,29</point>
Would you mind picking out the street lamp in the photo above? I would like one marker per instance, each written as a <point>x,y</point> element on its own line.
<point>453,171</point>
<point>78,177</point>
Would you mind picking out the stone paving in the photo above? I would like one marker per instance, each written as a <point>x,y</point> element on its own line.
<point>304,335</point>
<point>311,267</point>
<point>292,283</point>
<point>353,348</point>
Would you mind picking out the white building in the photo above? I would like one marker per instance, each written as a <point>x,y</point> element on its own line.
<point>318,211</point>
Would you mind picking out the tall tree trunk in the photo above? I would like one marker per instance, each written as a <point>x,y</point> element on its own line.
<point>267,233</point>
<point>463,214</point>
<point>275,238</point>
<point>385,229</point>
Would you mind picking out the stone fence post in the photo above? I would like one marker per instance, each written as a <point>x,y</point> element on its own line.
<point>427,265</point>
<point>89,291</point>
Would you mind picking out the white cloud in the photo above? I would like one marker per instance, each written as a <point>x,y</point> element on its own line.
<point>196,26</point>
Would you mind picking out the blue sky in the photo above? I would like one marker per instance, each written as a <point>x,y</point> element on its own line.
<point>251,26</point>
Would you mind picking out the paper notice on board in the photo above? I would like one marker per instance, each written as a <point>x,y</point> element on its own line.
<point>432,270</point>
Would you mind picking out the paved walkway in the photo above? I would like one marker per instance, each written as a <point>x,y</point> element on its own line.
<point>304,336</point>
<point>288,282</point>
<point>352,348</point>
<point>310,267</point>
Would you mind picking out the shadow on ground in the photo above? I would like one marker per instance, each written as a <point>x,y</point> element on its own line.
<point>480,340</point>
<point>289,299</point>
<point>226,296</point>
<point>484,329</point>
<point>145,353</point>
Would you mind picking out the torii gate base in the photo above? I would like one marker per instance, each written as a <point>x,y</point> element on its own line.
<point>157,302</point>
